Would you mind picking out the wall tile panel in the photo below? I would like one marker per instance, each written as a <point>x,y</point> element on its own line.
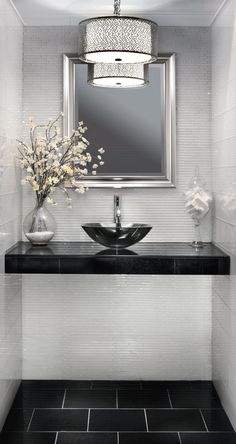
<point>163,208</point>
<point>224,185</point>
<point>117,327</point>
<point>11,55</point>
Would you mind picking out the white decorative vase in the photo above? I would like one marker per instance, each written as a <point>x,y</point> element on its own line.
<point>198,202</point>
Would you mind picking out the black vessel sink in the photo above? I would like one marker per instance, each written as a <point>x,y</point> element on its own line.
<point>117,236</point>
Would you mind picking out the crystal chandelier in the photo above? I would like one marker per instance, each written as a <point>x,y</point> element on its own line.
<point>117,39</point>
<point>118,75</point>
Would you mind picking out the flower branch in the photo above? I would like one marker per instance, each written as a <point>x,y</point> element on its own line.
<point>52,162</point>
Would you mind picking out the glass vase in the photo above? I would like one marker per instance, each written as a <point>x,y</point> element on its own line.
<point>39,225</point>
<point>197,243</point>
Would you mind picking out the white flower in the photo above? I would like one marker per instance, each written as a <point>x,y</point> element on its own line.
<point>85,140</point>
<point>101,150</point>
<point>82,145</point>
<point>54,162</point>
<point>80,189</point>
<point>35,186</point>
<point>55,180</point>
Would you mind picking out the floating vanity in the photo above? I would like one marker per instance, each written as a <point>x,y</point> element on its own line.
<point>91,258</point>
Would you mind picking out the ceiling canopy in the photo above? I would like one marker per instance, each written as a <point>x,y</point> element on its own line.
<point>70,12</point>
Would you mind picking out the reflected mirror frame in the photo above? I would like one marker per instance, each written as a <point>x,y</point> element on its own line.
<point>69,62</point>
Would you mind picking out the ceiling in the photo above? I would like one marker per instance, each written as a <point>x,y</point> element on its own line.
<point>166,12</point>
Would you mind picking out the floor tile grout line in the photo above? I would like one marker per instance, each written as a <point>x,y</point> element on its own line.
<point>64,398</point>
<point>168,393</point>
<point>204,420</point>
<point>89,410</point>
<point>180,440</point>
<point>56,439</point>
<point>30,420</point>
<point>143,432</point>
<point>120,408</point>
<point>146,421</point>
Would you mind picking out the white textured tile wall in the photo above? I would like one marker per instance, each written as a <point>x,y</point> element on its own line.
<point>10,341</point>
<point>116,327</point>
<point>163,208</point>
<point>224,186</point>
<point>11,55</point>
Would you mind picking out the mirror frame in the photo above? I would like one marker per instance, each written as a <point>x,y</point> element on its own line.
<point>167,181</point>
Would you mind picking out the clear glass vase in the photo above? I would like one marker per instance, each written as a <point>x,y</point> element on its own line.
<point>39,225</point>
<point>197,243</point>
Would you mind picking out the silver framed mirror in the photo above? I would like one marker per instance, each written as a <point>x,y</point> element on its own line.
<point>136,127</point>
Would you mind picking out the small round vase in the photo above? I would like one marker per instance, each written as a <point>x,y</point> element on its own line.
<point>39,225</point>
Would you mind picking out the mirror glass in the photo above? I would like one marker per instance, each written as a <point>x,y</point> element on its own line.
<point>136,126</point>
<point>128,122</point>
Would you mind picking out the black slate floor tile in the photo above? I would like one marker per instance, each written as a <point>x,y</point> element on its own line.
<point>148,438</point>
<point>174,420</point>
<point>27,438</point>
<point>154,385</point>
<point>87,438</point>
<point>59,420</point>
<point>121,385</point>
<point>208,438</point>
<point>187,384</point>
<point>194,395</point>
<point>17,420</point>
<point>32,398</point>
<point>176,383</point>
<point>90,399</point>
<point>204,385</point>
<point>143,398</point>
<point>217,421</point>
<point>55,384</point>
<point>117,420</point>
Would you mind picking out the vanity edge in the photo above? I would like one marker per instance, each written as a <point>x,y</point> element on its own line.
<point>147,258</point>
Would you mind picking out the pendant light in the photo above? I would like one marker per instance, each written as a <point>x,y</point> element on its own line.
<point>117,39</point>
<point>118,75</point>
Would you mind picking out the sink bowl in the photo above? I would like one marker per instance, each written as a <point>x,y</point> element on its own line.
<point>113,236</point>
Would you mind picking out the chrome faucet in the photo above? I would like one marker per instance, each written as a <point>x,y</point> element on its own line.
<point>117,211</point>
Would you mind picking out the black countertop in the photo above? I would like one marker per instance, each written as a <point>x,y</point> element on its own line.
<point>91,258</point>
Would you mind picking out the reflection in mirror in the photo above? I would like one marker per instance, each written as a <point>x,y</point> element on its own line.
<point>135,126</point>
<point>128,122</point>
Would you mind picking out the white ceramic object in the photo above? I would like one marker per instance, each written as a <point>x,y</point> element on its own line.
<point>198,202</point>
<point>40,237</point>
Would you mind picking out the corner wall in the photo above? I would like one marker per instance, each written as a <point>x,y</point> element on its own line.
<point>11,51</point>
<point>224,186</point>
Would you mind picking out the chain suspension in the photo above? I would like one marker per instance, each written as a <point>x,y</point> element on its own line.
<point>117,7</point>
